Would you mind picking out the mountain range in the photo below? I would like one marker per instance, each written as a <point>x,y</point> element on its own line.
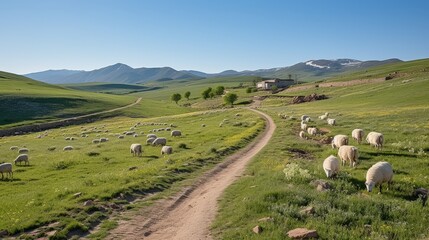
<point>121,73</point>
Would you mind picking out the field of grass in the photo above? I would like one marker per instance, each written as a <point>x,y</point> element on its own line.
<point>24,101</point>
<point>111,88</point>
<point>45,191</point>
<point>278,183</point>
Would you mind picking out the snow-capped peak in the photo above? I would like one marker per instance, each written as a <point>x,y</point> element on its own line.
<point>310,63</point>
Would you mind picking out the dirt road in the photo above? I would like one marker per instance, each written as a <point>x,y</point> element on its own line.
<point>189,214</point>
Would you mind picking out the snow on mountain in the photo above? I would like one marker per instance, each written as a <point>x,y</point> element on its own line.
<point>310,63</point>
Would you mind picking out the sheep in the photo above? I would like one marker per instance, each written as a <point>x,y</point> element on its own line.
<point>302,134</point>
<point>377,174</point>
<point>121,136</point>
<point>166,150</point>
<point>348,153</point>
<point>303,117</point>
<point>14,148</point>
<point>21,158</point>
<point>150,141</point>
<point>136,149</point>
<point>203,125</point>
<point>68,148</point>
<point>96,141</point>
<point>151,136</point>
<point>104,139</point>
<point>308,119</point>
<point>168,129</point>
<point>339,140</point>
<point>159,141</point>
<point>331,121</point>
<point>375,139</point>
<point>323,117</point>
<point>135,135</point>
<point>23,150</point>
<point>357,134</point>
<point>312,131</point>
<point>67,138</point>
<point>176,133</point>
<point>304,126</point>
<point>331,166</point>
<point>130,133</point>
<point>6,168</point>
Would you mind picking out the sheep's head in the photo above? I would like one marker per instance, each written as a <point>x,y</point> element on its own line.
<point>328,173</point>
<point>369,185</point>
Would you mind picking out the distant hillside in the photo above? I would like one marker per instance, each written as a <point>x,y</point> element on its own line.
<point>112,88</point>
<point>121,73</point>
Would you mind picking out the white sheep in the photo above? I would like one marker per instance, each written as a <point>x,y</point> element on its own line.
<point>203,125</point>
<point>104,139</point>
<point>23,150</point>
<point>304,126</point>
<point>151,136</point>
<point>68,148</point>
<point>159,141</point>
<point>302,134</point>
<point>136,149</point>
<point>357,134</point>
<point>130,133</point>
<point>377,174</point>
<point>166,150</point>
<point>21,158</point>
<point>303,117</point>
<point>6,168</point>
<point>312,131</point>
<point>14,148</point>
<point>339,140</point>
<point>331,121</point>
<point>96,141</point>
<point>323,117</point>
<point>121,136</point>
<point>176,133</point>
<point>135,135</point>
<point>349,153</point>
<point>375,139</point>
<point>150,141</point>
<point>331,165</point>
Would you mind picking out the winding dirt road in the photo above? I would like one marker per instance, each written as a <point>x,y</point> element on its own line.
<point>189,214</point>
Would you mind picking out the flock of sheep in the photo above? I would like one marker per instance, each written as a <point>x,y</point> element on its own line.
<point>136,149</point>
<point>376,175</point>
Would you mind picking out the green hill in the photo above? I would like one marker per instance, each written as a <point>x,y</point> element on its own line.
<point>112,88</point>
<point>24,101</point>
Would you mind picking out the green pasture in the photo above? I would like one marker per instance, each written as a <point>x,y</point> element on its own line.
<point>399,110</point>
<point>44,192</point>
<point>110,88</point>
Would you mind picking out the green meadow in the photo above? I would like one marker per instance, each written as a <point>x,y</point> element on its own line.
<point>280,182</point>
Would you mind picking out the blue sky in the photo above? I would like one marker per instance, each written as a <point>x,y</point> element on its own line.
<point>205,35</point>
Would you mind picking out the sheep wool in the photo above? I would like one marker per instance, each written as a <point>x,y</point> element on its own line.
<point>331,166</point>
<point>377,174</point>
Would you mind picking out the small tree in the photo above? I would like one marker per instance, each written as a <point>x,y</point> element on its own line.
<point>274,89</point>
<point>212,94</point>
<point>187,95</point>
<point>176,97</point>
<point>230,98</point>
<point>219,90</point>
<point>206,93</point>
<point>248,90</point>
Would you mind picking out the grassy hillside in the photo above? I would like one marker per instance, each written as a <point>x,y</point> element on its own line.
<point>23,101</point>
<point>44,192</point>
<point>399,109</point>
<point>113,88</point>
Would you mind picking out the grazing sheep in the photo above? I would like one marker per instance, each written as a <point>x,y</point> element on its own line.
<point>331,121</point>
<point>22,158</point>
<point>23,150</point>
<point>150,141</point>
<point>130,133</point>
<point>323,117</point>
<point>304,126</point>
<point>68,148</point>
<point>96,141</point>
<point>357,134</point>
<point>159,141</point>
<point>348,153</point>
<point>121,136</point>
<point>14,148</point>
<point>151,136</point>
<point>375,139</point>
<point>67,138</point>
<point>166,150</point>
<point>136,149</point>
<point>135,135</point>
<point>339,140</point>
<point>104,139</point>
<point>312,131</point>
<point>302,134</point>
<point>378,174</point>
<point>303,117</point>
<point>331,165</point>
<point>168,129</point>
<point>176,133</point>
<point>203,125</point>
<point>308,119</point>
<point>6,168</point>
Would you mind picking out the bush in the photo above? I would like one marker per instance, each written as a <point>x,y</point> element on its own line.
<point>92,154</point>
<point>183,145</point>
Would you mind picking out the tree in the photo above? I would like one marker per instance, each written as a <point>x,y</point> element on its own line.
<point>187,95</point>
<point>230,98</point>
<point>206,93</point>
<point>248,90</point>
<point>176,97</point>
<point>212,94</point>
<point>219,90</point>
<point>274,89</point>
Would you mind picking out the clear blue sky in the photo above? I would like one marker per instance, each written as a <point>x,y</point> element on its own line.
<point>205,35</point>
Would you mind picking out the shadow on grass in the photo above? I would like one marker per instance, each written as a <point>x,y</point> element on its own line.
<point>391,154</point>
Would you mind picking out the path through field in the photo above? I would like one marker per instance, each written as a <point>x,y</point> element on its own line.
<point>189,214</point>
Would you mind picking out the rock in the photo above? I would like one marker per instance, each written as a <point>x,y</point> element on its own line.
<point>132,168</point>
<point>257,229</point>
<point>302,233</point>
<point>76,195</point>
<point>307,211</point>
<point>54,224</point>
<point>3,233</point>
<point>367,229</point>
<point>51,233</point>
<point>421,193</point>
<point>266,219</point>
<point>88,203</point>
<point>321,185</point>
